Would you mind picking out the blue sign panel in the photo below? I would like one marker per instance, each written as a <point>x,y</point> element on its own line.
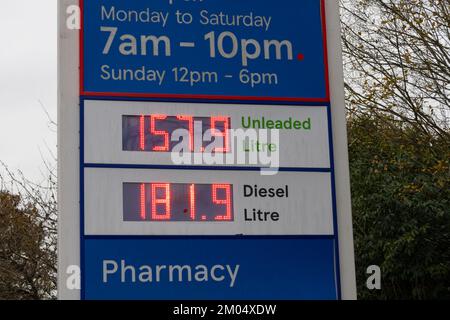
<point>210,268</point>
<point>212,49</point>
<point>265,52</point>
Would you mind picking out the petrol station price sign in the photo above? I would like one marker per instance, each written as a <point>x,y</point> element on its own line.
<point>206,134</point>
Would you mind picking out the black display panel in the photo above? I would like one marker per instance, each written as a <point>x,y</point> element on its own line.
<point>162,201</point>
<point>152,133</point>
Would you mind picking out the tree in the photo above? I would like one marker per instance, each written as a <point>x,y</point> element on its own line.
<point>27,239</point>
<point>397,61</point>
<point>397,69</point>
<point>401,201</point>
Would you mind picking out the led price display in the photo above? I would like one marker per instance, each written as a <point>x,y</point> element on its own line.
<point>153,133</point>
<point>163,201</point>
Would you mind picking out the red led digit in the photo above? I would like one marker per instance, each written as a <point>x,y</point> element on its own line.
<point>190,121</point>
<point>165,134</point>
<point>161,201</point>
<point>142,133</point>
<point>192,200</point>
<point>224,134</point>
<point>226,201</point>
<point>143,213</point>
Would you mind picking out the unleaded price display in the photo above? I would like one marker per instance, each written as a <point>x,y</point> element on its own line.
<point>153,132</point>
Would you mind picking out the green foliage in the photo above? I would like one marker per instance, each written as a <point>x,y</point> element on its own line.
<point>401,208</point>
<point>27,256</point>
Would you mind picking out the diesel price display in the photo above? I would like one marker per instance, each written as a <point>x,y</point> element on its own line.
<point>163,201</point>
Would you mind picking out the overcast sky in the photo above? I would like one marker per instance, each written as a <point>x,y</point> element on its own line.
<point>28,64</point>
